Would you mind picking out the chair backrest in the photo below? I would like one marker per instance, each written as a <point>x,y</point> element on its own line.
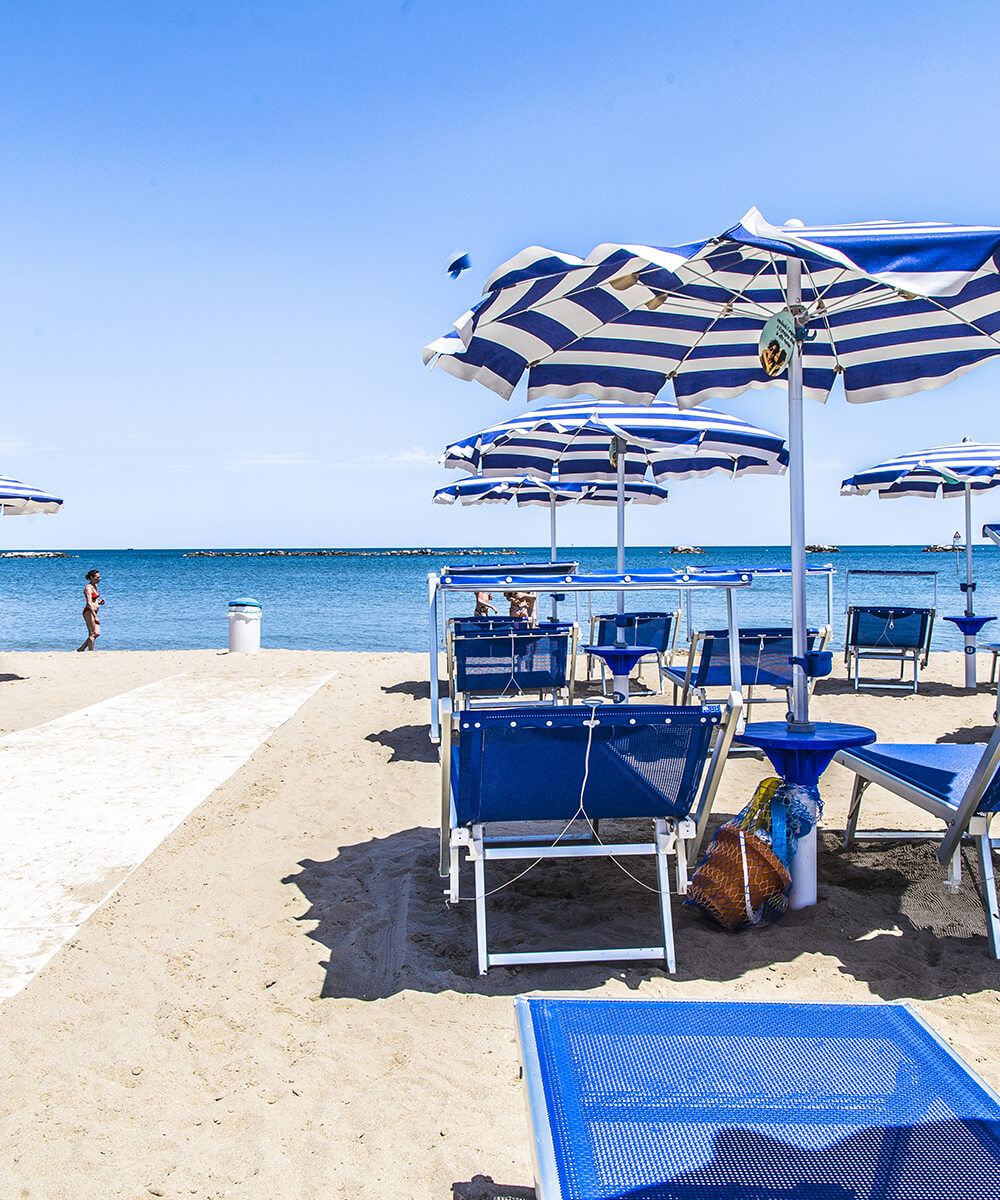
<point>641,629</point>
<point>464,625</point>
<point>871,627</point>
<point>542,764</point>
<point>506,663</point>
<point>765,657</point>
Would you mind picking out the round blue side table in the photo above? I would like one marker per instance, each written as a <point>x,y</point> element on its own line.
<point>801,757</point>
<point>969,627</point>
<point>620,661</point>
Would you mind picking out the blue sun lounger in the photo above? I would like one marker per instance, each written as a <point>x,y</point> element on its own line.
<point>674,1100</point>
<point>892,634</point>
<point>518,767</point>
<point>765,661</point>
<point>510,665</point>
<point>958,784</point>
<point>655,629</point>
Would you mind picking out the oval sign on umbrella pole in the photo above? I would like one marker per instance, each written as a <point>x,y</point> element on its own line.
<point>777,341</point>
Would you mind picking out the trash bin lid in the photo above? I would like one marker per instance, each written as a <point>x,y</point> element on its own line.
<point>245,602</point>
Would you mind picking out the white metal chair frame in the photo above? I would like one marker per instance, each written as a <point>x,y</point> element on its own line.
<point>669,837</point>
<point>963,822</point>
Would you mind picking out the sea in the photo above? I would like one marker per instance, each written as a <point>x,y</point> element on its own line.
<point>375,598</point>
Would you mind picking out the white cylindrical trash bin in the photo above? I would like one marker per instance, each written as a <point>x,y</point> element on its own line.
<point>244,625</point>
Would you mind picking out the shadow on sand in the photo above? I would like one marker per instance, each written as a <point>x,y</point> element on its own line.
<point>844,687</point>
<point>408,743</point>
<point>883,917</point>
<point>413,688</point>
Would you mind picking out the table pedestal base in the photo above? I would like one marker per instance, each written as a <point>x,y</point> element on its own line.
<point>801,758</point>
<point>969,627</point>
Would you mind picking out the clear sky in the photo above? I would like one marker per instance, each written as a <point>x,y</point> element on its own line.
<point>223,227</point>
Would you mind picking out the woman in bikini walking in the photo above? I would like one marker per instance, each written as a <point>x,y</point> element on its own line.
<point>91,609</point>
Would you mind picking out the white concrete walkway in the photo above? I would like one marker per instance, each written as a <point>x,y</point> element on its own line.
<point>87,797</point>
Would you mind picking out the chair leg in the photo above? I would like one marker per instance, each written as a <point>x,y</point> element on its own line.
<point>993,667</point>
<point>480,872</point>
<point>663,882</point>
<point>680,850</point>
<point>453,871</point>
<point>953,880</point>
<point>989,886</point>
<point>854,809</point>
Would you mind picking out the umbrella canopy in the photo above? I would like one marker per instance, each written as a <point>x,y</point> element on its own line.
<point>585,441</point>
<point>660,439</point>
<point>891,307</point>
<point>18,499</point>
<point>944,471</point>
<point>525,489</point>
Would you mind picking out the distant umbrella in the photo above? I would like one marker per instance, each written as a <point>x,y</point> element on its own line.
<point>586,440</point>
<point>18,499</point>
<point>458,263</point>
<point>525,490</point>
<point>945,471</point>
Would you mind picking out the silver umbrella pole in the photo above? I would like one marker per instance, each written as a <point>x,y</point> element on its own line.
<point>552,550</point>
<point>620,444</point>
<point>970,638</point>
<point>797,505</point>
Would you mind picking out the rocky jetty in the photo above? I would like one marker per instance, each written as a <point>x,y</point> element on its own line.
<point>820,548</point>
<point>424,553</point>
<point>942,549</point>
<point>36,554</point>
<point>686,550</point>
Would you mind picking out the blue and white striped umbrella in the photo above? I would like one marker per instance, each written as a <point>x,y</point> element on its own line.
<point>526,489</point>
<point>574,436</point>
<point>891,307</point>
<point>945,471</point>
<point>18,499</point>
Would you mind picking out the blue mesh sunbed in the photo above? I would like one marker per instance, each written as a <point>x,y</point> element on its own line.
<point>518,767</point>
<point>675,1100</point>
<point>894,634</point>
<point>957,784</point>
<point>656,629</point>
<point>510,664</point>
<point>765,661</point>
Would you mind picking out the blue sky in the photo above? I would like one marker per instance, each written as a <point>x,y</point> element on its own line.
<point>223,227</point>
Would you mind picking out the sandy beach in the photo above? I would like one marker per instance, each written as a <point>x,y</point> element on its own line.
<point>278,1003</point>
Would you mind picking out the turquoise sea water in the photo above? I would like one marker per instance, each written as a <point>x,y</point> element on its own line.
<point>159,599</point>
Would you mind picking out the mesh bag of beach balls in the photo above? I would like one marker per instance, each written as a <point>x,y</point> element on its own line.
<point>744,877</point>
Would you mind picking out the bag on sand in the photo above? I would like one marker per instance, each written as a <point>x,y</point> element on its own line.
<point>743,879</point>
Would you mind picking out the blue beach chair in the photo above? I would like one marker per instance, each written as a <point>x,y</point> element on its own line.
<point>765,661</point>
<point>715,1100</point>
<point>513,665</point>
<point>656,629</point>
<point>893,634</point>
<point>959,785</point>
<point>588,762</point>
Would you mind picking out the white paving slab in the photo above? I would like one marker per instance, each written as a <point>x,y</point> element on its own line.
<point>87,797</point>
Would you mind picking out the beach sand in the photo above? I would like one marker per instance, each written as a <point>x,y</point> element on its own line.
<point>278,1003</point>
